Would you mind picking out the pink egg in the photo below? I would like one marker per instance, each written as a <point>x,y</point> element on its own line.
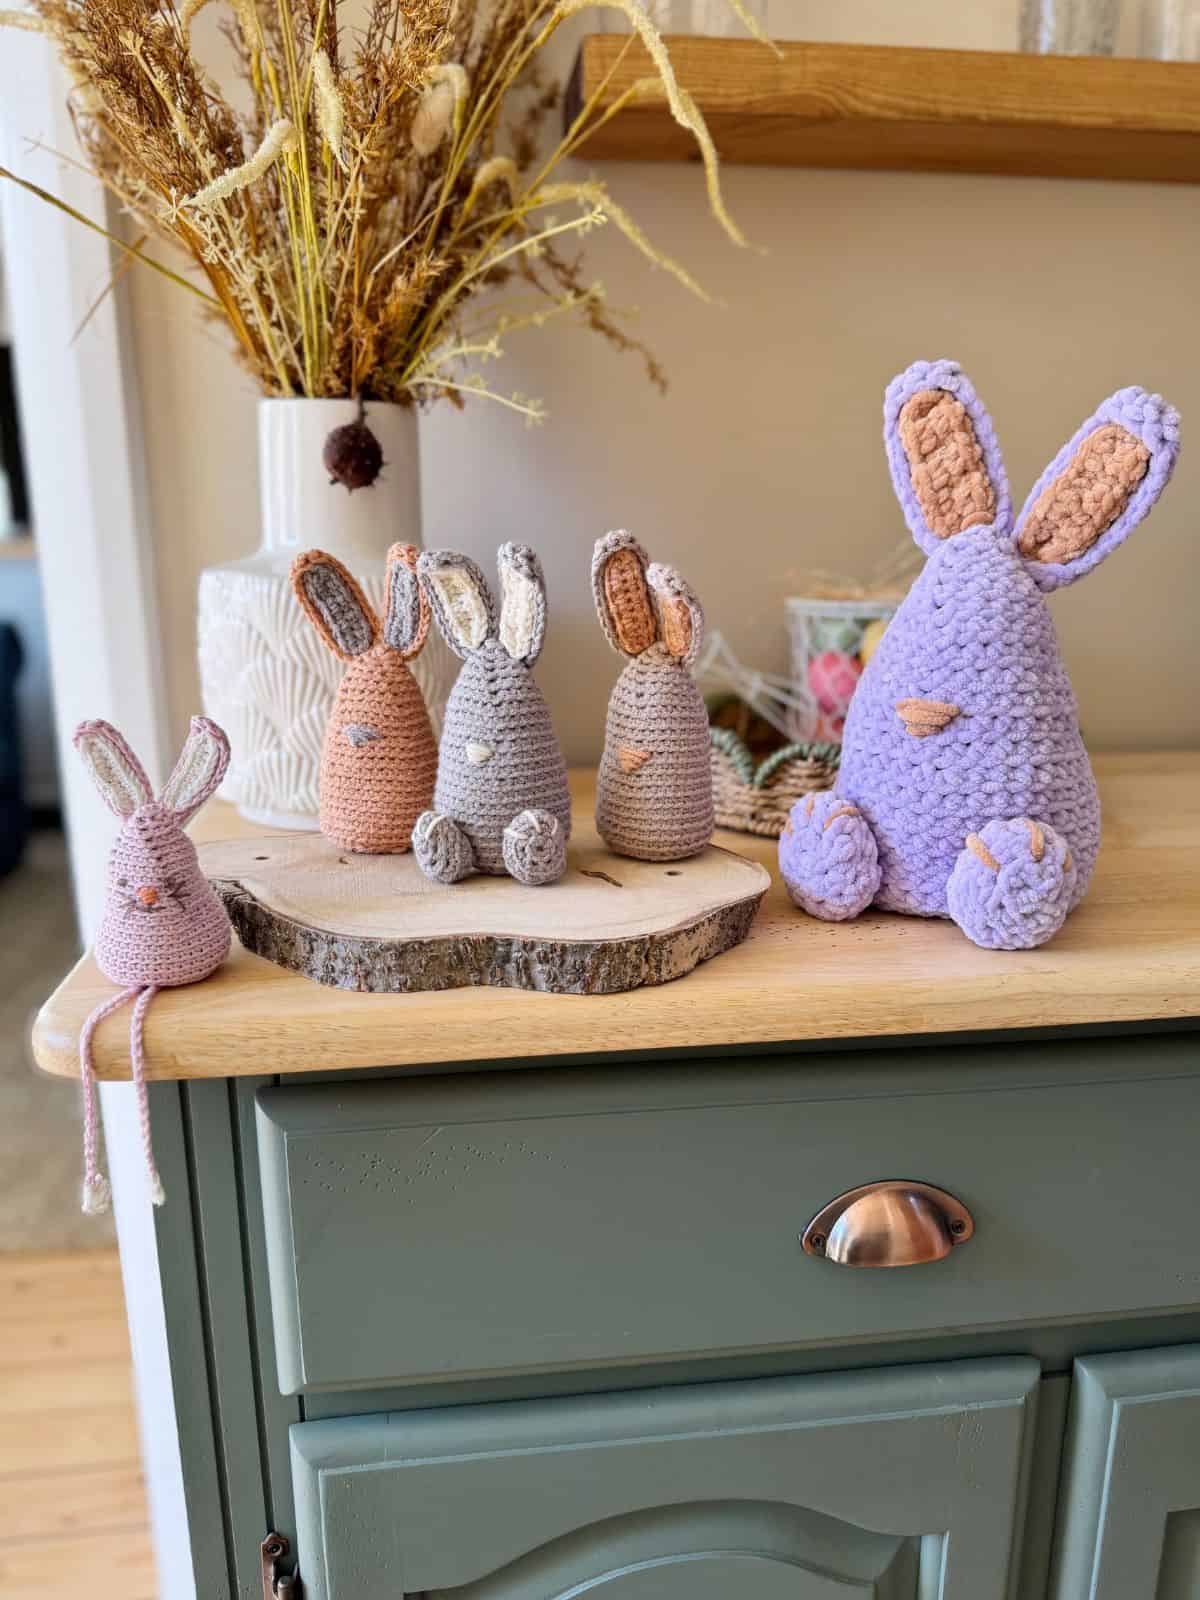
<point>832,677</point>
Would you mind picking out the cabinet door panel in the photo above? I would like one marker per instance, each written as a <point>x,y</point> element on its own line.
<point>896,1485</point>
<point>1130,1509</point>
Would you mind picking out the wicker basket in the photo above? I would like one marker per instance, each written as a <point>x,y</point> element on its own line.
<point>758,800</point>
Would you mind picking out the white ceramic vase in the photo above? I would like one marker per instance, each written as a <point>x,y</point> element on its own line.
<point>265,676</point>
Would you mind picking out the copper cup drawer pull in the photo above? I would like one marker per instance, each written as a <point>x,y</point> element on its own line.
<point>896,1223</point>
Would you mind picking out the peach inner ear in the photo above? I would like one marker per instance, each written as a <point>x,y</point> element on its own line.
<point>628,603</point>
<point>946,462</point>
<point>676,624</point>
<point>1073,511</point>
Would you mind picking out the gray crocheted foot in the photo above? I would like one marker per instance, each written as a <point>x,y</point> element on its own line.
<point>828,858</point>
<point>535,848</point>
<point>1013,885</point>
<point>443,851</point>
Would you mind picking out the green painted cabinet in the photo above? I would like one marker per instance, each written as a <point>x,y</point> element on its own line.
<point>548,1334</point>
<point>1130,1510</point>
<point>894,1485</point>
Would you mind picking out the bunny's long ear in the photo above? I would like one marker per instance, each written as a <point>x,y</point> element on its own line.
<point>406,618</point>
<point>522,602</point>
<point>1099,486</point>
<point>334,604</point>
<point>462,603</point>
<point>200,768</point>
<point>624,603</point>
<point>681,616</point>
<point>117,772</point>
<point>941,447</point>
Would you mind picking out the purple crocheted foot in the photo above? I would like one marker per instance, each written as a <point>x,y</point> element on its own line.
<point>1013,885</point>
<point>535,848</point>
<point>442,849</point>
<point>828,858</point>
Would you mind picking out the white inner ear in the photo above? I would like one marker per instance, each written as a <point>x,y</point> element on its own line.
<point>518,612</point>
<point>464,606</point>
<point>122,786</point>
<point>192,771</point>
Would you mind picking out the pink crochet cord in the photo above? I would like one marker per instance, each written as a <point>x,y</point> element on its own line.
<point>137,1057</point>
<point>96,1188</point>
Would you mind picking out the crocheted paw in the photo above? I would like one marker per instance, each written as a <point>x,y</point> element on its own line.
<point>97,1196</point>
<point>535,848</point>
<point>829,858</point>
<point>1012,885</point>
<point>443,851</point>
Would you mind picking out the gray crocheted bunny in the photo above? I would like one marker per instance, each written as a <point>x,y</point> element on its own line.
<point>501,803</point>
<point>654,795</point>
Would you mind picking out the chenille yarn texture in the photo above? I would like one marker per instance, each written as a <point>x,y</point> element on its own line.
<point>162,924</point>
<point>379,757</point>
<point>501,803</point>
<point>654,791</point>
<point>964,788</point>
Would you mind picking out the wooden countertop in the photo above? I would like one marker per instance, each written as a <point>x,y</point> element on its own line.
<point>1130,953</point>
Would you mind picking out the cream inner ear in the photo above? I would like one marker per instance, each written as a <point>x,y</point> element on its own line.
<point>464,605</point>
<point>518,612</point>
<point>121,786</point>
<point>193,771</point>
<point>945,459</point>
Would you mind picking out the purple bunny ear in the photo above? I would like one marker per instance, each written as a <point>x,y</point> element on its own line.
<point>941,447</point>
<point>1099,486</point>
<point>116,771</point>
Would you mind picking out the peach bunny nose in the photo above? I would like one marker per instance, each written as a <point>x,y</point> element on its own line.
<point>148,896</point>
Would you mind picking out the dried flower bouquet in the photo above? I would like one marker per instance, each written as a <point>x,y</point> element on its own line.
<point>383,177</point>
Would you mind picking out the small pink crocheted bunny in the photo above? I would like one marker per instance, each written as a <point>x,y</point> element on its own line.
<point>162,924</point>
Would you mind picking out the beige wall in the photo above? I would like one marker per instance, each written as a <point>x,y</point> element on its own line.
<point>765,458</point>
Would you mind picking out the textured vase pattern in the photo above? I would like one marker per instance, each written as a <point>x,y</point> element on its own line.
<point>270,684</point>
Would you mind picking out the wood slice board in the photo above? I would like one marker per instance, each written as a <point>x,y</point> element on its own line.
<point>375,924</point>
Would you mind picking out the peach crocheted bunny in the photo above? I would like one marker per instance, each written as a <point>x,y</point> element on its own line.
<point>654,796</point>
<point>162,924</point>
<point>380,758</point>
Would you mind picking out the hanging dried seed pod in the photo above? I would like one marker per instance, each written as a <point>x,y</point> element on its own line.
<point>353,456</point>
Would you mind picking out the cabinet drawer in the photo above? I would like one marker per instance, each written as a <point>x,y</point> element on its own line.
<point>885,1484</point>
<point>439,1228</point>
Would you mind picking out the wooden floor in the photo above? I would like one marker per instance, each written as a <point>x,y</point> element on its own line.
<point>73,1516</point>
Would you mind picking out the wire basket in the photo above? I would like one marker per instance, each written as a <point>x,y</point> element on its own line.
<point>759,799</point>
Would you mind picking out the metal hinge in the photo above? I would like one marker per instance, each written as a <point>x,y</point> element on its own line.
<point>278,1585</point>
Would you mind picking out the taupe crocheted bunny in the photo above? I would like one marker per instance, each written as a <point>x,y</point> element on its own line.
<point>501,803</point>
<point>654,796</point>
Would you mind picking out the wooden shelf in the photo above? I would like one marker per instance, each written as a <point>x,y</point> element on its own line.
<point>1129,954</point>
<point>874,106</point>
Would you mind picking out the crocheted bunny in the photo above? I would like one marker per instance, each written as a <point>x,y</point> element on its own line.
<point>964,789</point>
<point>380,757</point>
<point>501,803</point>
<point>654,794</point>
<point>162,924</point>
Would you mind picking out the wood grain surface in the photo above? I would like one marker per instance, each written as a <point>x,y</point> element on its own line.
<point>377,925</point>
<point>882,106</point>
<point>1130,953</point>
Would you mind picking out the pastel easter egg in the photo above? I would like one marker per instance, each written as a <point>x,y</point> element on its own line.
<point>836,633</point>
<point>872,633</point>
<point>832,677</point>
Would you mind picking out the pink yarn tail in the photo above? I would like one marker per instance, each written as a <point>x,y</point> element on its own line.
<point>97,1192</point>
<point>137,1056</point>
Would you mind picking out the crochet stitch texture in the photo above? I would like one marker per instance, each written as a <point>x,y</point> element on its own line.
<point>501,802</point>
<point>965,789</point>
<point>379,757</point>
<point>654,793</point>
<point>162,924</point>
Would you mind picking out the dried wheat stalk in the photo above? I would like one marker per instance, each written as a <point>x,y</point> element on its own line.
<point>348,225</point>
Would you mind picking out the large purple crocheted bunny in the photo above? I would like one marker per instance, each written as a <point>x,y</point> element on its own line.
<point>965,790</point>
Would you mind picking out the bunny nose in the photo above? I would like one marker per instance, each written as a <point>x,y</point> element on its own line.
<point>148,896</point>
